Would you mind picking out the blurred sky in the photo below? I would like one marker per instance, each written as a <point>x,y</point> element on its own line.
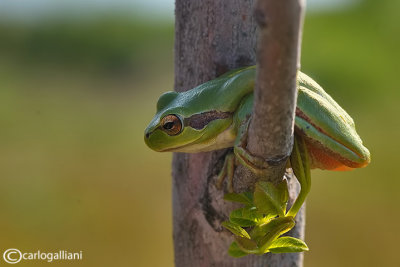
<point>152,10</point>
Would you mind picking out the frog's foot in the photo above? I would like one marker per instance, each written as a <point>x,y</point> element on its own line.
<point>227,170</point>
<point>256,164</point>
<point>300,163</point>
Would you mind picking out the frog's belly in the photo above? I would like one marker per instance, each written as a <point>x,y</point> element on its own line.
<point>322,160</point>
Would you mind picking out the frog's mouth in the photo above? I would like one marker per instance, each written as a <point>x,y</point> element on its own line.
<point>179,148</point>
<point>224,139</point>
<point>191,146</point>
<point>162,147</point>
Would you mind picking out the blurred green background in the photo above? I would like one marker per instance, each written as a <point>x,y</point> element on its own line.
<point>77,91</point>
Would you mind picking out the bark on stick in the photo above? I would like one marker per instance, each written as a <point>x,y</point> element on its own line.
<point>211,37</point>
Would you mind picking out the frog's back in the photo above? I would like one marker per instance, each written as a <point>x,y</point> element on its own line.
<point>223,94</point>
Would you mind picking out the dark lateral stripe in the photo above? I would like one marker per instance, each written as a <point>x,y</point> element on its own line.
<point>199,121</point>
<point>303,116</point>
<point>300,114</point>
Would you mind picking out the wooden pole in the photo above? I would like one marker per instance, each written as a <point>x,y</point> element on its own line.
<point>211,37</point>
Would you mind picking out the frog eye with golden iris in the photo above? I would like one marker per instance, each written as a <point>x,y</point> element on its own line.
<point>171,124</point>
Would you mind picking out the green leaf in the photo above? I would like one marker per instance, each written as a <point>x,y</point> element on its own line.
<point>245,217</point>
<point>235,251</point>
<point>265,234</point>
<point>244,198</point>
<point>246,245</point>
<point>258,231</point>
<point>269,199</point>
<point>287,244</point>
<point>283,193</point>
<point>264,202</point>
<point>235,229</point>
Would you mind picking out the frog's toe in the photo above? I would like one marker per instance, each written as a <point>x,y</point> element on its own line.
<point>256,164</point>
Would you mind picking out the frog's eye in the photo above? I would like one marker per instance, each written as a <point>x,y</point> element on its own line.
<point>171,124</point>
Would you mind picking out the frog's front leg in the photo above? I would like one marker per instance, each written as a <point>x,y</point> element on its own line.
<point>256,164</point>
<point>240,156</point>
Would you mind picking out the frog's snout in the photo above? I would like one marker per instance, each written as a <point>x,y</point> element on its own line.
<point>147,135</point>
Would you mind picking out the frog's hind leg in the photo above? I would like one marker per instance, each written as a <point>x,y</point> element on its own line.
<point>228,170</point>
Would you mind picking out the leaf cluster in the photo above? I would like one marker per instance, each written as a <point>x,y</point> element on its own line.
<point>259,225</point>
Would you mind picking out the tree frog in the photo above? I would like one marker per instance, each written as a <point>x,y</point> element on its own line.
<point>215,115</point>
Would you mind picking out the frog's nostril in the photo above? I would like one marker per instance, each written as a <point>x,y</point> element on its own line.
<point>147,135</point>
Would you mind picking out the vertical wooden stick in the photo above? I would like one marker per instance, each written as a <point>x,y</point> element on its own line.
<point>211,37</point>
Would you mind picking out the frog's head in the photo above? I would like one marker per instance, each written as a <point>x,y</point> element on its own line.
<point>182,124</point>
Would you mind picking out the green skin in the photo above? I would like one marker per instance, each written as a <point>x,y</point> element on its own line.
<point>215,115</point>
